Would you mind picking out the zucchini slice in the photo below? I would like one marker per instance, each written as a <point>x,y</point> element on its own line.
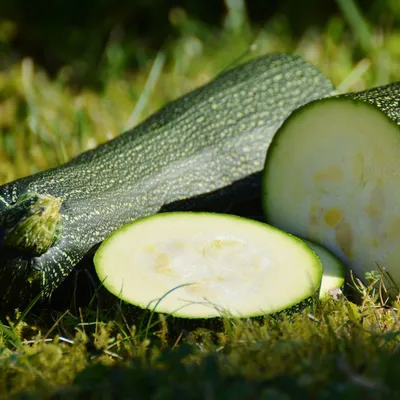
<point>208,265</point>
<point>334,270</point>
<point>332,175</point>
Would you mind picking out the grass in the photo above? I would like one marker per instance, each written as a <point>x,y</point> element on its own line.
<point>338,350</point>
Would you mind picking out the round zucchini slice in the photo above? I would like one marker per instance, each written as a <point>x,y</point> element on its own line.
<point>334,271</point>
<point>332,175</point>
<point>205,265</point>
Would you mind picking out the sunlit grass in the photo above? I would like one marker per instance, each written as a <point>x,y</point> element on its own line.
<point>340,349</point>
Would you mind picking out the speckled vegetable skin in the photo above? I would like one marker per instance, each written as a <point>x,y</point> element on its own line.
<point>384,98</point>
<point>213,136</point>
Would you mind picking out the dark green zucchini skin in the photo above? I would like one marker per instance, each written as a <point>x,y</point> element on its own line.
<point>385,98</point>
<point>204,141</point>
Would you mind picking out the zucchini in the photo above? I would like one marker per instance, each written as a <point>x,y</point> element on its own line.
<point>333,270</point>
<point>208,265</point>
<point>212,138</point>
<point>332,175</point>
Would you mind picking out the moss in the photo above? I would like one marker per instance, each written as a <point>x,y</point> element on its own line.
<point>325,354</point>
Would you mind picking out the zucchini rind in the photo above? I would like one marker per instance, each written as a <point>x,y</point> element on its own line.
<point>332,175</point>
<point>208,265</point>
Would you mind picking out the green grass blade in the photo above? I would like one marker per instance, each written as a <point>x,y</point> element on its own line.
<point>358,24</point>
<point>151,82</point>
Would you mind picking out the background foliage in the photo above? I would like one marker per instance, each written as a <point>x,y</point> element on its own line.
<point>93,35</point>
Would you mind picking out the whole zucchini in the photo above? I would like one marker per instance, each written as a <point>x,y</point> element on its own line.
<point>204,141</point>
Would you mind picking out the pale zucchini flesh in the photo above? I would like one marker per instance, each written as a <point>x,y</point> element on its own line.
<point>332,175</point>
<point>209,265</point>
<point>334,271</point>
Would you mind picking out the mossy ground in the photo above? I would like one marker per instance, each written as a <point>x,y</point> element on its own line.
<point>337,350</point>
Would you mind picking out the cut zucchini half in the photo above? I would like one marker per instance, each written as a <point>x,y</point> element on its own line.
<point>205,265</point>
<point>334,271</point>
<point>332,175</point>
